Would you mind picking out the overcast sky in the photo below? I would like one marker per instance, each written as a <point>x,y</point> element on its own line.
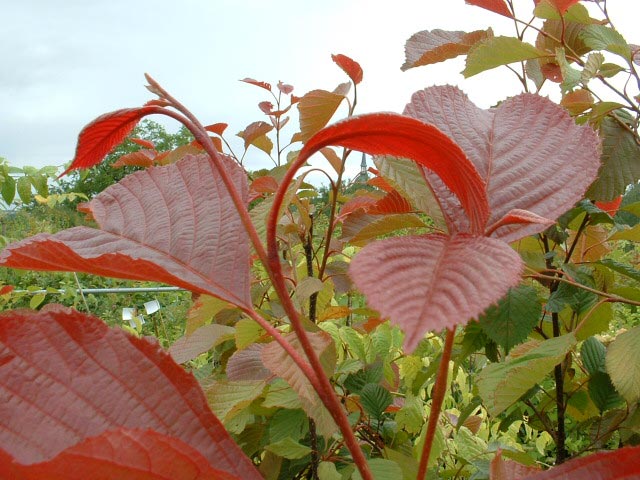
<point>66,62</point>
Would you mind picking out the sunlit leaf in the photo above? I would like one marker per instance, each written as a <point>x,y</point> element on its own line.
<point>253,132</point>
<point>166,224</point>
<point>430,282</point>
<point>350,67</point>
<point>524,150</point>
<point>497,51</point>
<point>601,37</point>
<point>227,397</point>
<point>66,377</point>
<point>316,109</point>
<point>98,138</point>
<point>496,6</point>
<point>433,46</point>
<point>401,136</point>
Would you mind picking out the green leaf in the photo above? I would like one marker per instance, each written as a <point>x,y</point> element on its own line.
<point>597,322</point>
<point>620,166</point>
<point>501,384</point>
<point>602,392</point>
<point>328,471</point>
<point>600,37</point>
<point>375,399</point>
<point>470,447</point>
<point>623,364</point>
<point>247,332</point>
<point>381,469</point>
<point>497,51</point>
<point>8,189</point>
<point>289,448</point>
<point>37,300</point>
<point>281,394</point>
<point>513,319</point>
<point>577,13</point>
<point>227,397</point>
<point>593,353</point>
<point>408,464</point>
<point>591,67</point>
<point>410,416</point>
<point>570,76</point>
<point>373,373</point>
<point>622,268</point>
<point>578,299</point>
<point>24,189</point>
<point>292,424</point>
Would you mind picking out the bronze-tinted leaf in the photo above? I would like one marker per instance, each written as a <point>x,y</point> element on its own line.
<point>433,46</point>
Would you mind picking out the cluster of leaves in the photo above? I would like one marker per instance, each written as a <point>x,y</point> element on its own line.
<point>484,217</point>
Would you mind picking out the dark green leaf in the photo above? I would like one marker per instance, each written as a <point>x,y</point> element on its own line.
<point>286,423</point>
<point>24,189</point>
<point>622,268</point>
<point>602,392</point>
<point>373,373</point>
<point>515,316</point>
<point>593,353</point>
<point>375,399</point>
<point>8,189</point>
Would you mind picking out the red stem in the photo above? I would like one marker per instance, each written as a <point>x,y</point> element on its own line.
<point>439,390</point>
<point>319,381</point>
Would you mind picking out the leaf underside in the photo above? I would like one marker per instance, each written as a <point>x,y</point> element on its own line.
<point>431,282</point>
<point>67,377</point>
<point>175,224</point>
<point>529,152</point>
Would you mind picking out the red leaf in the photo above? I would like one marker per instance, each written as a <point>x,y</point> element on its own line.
<point>141,158</point>
<point>67,377</point>
<point>358,202</point>
<point>247,364</point>
<point>401,136</point>
<point>125,455</point>
<point>529,152</point>
<point>393,202</point>
<point>618,464</point>
<point>143,143</point>
<point>501,469</point>
<point>264,85</point>
<point>266,107</point>
<point>217,128</point>
<point>350,67</point>
<point>497,6</point>
<point>380,183</point>
<point>6,289</point>
<point>431,282</point>
<point>284,88</point>
<point>610,207</point>
<point>175,224</point>
<point>98,138</point>
<point>266,184</point>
